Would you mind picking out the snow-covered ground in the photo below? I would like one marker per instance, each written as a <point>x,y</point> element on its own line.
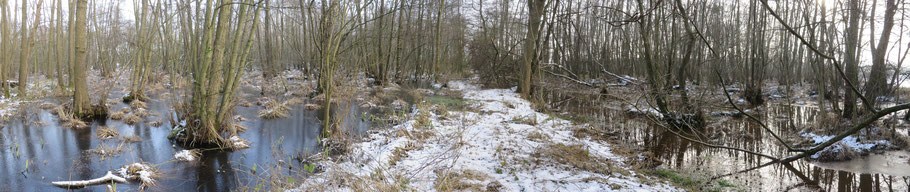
<point>8,106</point>
<point>503,144</point>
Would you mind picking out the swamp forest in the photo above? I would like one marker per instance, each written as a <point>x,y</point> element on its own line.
<point>454,95</point>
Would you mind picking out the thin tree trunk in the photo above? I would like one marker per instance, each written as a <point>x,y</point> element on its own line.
<point>852,65</point>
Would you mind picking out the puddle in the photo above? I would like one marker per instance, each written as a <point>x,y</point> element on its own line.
<point>33,155</point>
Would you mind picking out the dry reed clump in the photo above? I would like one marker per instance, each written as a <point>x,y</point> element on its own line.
<point>466,180</point>
<point>239,128</point>
<point>69,120</point>
<point>262,101</point>
<point>105,151</point>
<point>236,142</point>
<point>246,104</point>
<point>141,112</point>
<point>137,104</point>
<point>117,115</point>
<point>141,172</point>
<point>132,119</point>
<point>312,106</point>
<point>187,155</point>
<point>105,133</point>
<point>155,123</point>
<point>274,110</point>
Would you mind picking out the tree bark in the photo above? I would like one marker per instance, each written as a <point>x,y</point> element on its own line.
<point>5,56</point>
<point>877,84</point>
<point>535,12</point>
<point>26,42</point>
<point>80,95</point>
<point>850,57</point>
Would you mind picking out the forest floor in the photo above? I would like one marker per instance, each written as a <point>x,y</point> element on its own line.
<point>497,142</point>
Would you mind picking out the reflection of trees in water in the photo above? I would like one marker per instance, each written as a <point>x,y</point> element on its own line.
<point>683,154</point>
<point>84,143</point>
<point>215,173</point>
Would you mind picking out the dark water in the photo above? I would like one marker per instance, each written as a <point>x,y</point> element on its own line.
<point>889,171</point>
<point>52,153</point>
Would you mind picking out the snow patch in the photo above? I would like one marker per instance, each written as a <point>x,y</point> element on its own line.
<point>238,143</point>
<point>849,142</point>
<point>138,171</point>
<point>487,143</point>
<point>185,155</point>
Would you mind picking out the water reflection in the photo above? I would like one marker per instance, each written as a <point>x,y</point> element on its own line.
<point>52,153</point>
<point>878,172</point>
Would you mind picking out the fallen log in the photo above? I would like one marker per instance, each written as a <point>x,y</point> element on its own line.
<point>108,178</point>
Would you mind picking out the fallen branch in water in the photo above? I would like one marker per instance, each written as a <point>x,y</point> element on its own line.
<point>108,178</point>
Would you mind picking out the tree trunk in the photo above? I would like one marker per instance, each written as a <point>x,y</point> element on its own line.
<point>877,85</point>
<point>850,56</point>
<point>438,55</point>
<point>535,11</point>
<point>5,57</point>
<point>80,95</point>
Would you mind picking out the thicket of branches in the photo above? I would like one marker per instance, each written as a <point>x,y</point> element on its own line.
<point>669,43</point>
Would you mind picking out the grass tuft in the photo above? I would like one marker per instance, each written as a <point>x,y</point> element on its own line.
<point>274,110</point>
<point>132,119</point>
<point>105,133</point>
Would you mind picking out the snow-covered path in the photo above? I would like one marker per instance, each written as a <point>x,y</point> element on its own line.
<point>503,145</point>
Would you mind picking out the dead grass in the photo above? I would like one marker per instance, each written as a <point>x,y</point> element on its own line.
<point>117,115</point>
<point>239,118</point>
<point>401,152</point>
<point>69,120</point>
<point>399,104</point>
<point>137,104</point>
<point>141,112</point>
<point>130,139</point>
<point>466,180</point>
<point>537,136</point>
<point>236,143</point>
<point>142,172</point>
<point>576,156</point>
<point>104,151</point>
<point>105,133</point>
<point>188,155</point>
<point>132,119</point>
<point>240,128</point>
<point>527,120</point>
<point>311,106</point>
<point>155,123</point>
<point>274,110</point>
<point>246,104</point>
